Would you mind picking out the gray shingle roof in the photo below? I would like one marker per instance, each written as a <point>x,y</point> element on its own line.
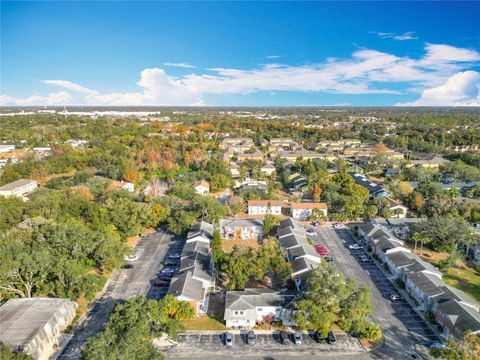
<point>239,223</point>
<point>252,298</point>
<point>428,284</point>
<point>185,285</point>
<point>16,184</point>
<point>290,222</point>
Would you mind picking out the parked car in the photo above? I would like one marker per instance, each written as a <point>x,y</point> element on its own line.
<point>166,277</point>
<point>338,226</point>
<point>250,338</point>
<point>131,258</point>
<point>435,345</point>
<point>319,246</point>
<point>354,246</point>
<point>160,283</point>
<point>128,266</point>
<point>331,338</point>
<point>394,297</point>
<point>317,337</point>
<point>328,258</point>
<point>170,263</point>
<point>316,223</point>
<point>322,253</point>
<point>284,338</point>
<point>167,271</point>
<point>364,258</point>
<point>174,256</point>
<point>228,339</point>
<point>297,338</point>
<point>310,232</point>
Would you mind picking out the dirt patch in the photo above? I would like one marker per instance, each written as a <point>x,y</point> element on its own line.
<point>227,245</point>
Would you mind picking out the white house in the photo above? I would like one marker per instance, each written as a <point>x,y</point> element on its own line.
<point>18,188</point>
<point>6,148</point>
<point>262,207</point>
<point>246,308</point>
<point>267,169</point>
<point>398,210</point>
<point>303,210</point>
<point>123,185</point>
<point>202,187</point>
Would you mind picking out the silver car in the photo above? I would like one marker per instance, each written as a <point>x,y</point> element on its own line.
<point>228,339</point>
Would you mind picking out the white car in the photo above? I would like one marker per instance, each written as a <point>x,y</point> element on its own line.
<point>132,258</point>
<point>228,339</point>
<point>354,247</point>
<point>167,271</point>
<point>175,256</point>
<point>310,232</point>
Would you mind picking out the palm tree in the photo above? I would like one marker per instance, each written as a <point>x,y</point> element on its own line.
<point>420,238</point>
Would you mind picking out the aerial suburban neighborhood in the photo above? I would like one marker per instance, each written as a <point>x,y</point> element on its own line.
<point>239,180</point>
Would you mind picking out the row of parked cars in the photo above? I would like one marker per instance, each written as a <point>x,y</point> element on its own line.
<point>285,338</point>
<point>167,270</point>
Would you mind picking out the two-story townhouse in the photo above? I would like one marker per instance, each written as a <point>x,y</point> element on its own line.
<point>263,207</point>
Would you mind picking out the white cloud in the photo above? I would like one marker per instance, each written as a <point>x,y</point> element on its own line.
<point>58,98</point>
<point>70,86</point>
<point>180,65</point>
<point>367,71</point>
<point>273,56</point>
<point>409,35</point>
<point>462,89</point>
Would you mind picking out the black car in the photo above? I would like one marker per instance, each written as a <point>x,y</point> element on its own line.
<point>328,258</point>
<point>317,337</point>
<point>250,338</point>
<point>170,263</point>
<point>331,338</point>
<point>128,266</point>
<point>165,277</point>
<point>284,338</point>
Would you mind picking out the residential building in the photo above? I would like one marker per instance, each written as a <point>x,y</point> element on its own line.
<point>245,156</point>
<point>122,185</point>
<point>234,170</point>
<point>297,182</point>
<point>241,229</point>
<point>301,255</point>
<point>202,187</point>
<point>249,307</point>
<point>263,207</point>
<point>18,188</point>
<point>35,325</point>
<point>268,169</point>
<point>195,277</point>
<point>6,148</point>
<point>237,144</point>
<point>374,189</point>
<point>386,245</point>
<point>397,208</point>
<point>428,162</point>
<point>304,210</point>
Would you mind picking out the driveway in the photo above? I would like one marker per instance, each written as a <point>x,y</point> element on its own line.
<point>404,331</point>
<point>124,284</point>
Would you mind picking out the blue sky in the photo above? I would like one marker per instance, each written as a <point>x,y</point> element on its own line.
<point>308,53</point>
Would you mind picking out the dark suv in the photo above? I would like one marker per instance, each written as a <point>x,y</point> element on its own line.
<point>284,338</point>
<point>250,338</point>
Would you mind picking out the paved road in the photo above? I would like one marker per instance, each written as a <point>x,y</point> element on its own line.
<point>403,330</point>
<point>124,284</point>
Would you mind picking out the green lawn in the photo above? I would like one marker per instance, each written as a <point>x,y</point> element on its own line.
<point>203,323</point>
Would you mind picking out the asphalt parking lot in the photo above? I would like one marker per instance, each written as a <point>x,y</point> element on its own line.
<point>404,331</point>
<point>123,285</point>
<point>193,345</point>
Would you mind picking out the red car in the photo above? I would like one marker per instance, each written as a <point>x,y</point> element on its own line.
<point>323,254</point>
<point>319,247</point>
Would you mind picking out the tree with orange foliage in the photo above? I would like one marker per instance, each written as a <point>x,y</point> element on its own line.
<point>131,175</point>
<point>380,148</point>
<point>317,192</point>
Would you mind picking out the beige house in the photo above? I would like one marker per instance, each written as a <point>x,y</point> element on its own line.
<point>18,188</point>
